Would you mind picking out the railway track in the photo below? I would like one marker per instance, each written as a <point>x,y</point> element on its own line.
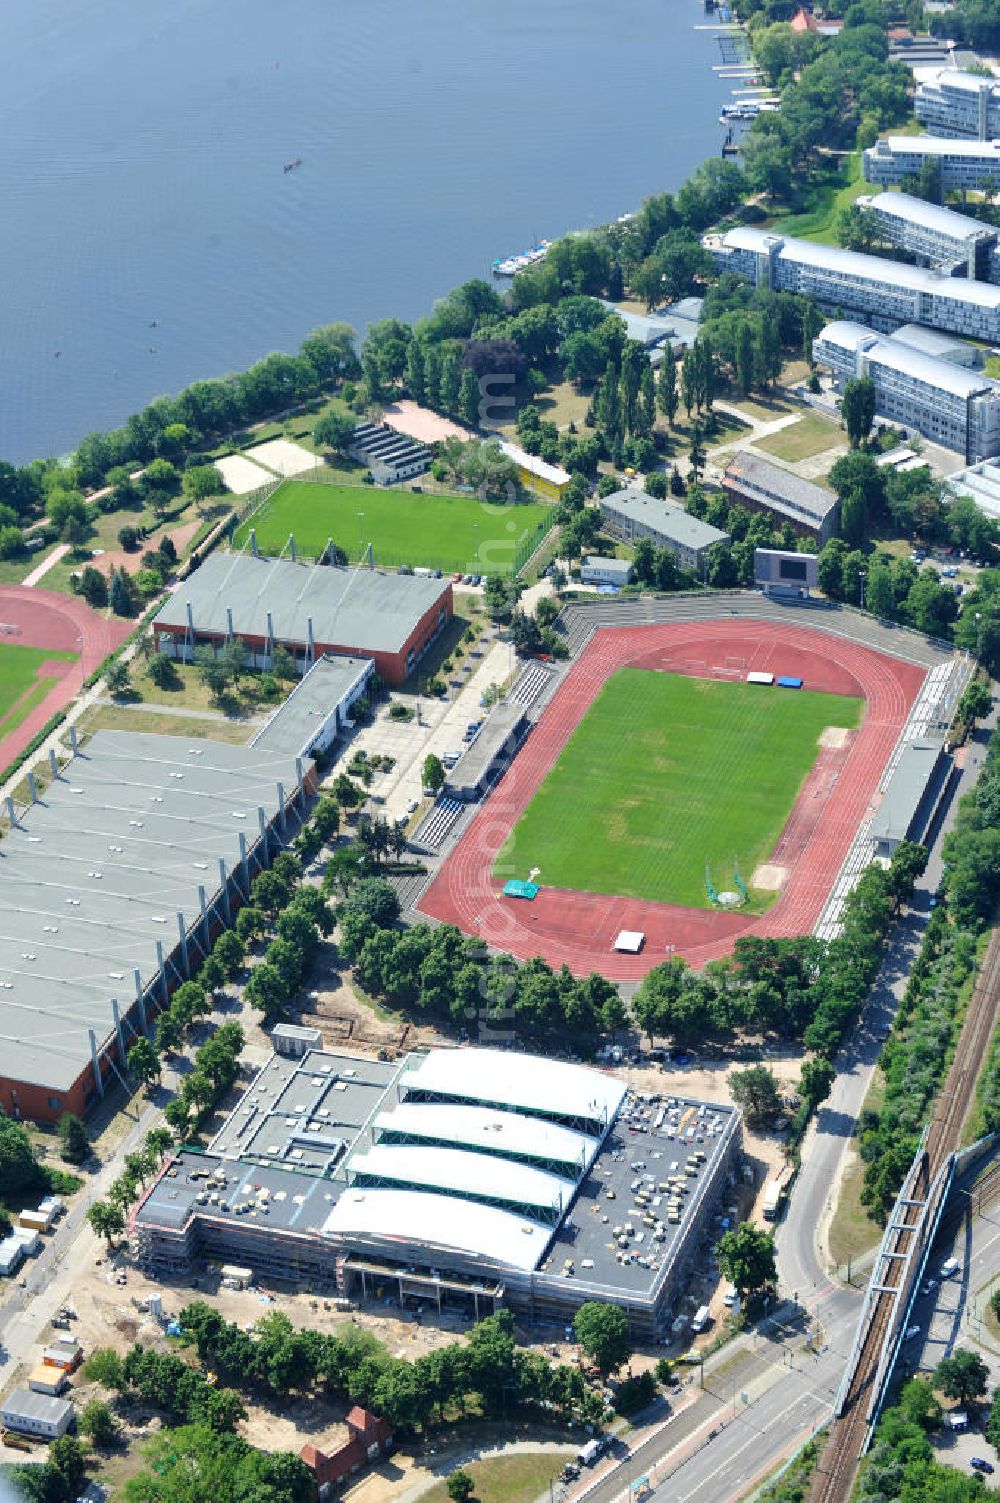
<point>833,1480</point>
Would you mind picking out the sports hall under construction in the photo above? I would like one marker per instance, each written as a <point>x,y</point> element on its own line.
<point>473,1177</point>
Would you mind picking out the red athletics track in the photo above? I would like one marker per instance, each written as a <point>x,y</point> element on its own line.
<point>44,618</point>
<point>578,928</point>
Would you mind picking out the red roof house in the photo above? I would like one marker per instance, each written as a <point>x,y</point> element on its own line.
<point>369,1438</point>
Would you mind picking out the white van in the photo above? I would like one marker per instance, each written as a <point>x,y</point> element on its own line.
<point>701,1320</point>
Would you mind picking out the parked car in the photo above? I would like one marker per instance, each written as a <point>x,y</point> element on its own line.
<point>910,1332</point>
<point>981,1464</point>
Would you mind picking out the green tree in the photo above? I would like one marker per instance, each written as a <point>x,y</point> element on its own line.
<point>816,1079</point>
<point>104,1366</point>
<point>756,1091</point>
<point>962,1376</point>
<point>107,1220</point>
<point>163,672</point>
<point>602,1331</point>
<point>468,398</point>
<point>74,1145</point>
<point>202,481</point>
<point>433,772</point>
<point>858,409</point>
<point>746,1257</point>
<point>334,431</point>
<point>451,381</point>
<point>976,701</point>
<point>143,1060</point>
<point>118,680</point>
<point>99,1424</point>
<point>18,1166</point>
<point>461,1486</point>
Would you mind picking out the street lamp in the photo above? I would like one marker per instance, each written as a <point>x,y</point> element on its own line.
<point>979,634</point>
<point>863,575</point>
<point>361,530</point>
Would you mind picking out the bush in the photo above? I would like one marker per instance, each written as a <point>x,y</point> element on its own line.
<point>74,1145</point>
<point>163,672</point>
<point>129,538</point>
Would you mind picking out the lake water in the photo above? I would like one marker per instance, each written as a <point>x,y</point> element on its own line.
<point>141,154</point>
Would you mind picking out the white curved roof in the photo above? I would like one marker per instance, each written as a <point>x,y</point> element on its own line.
<point>465,1174</point>
<point>398,1219</point>
<point>525,1082</point>
<point>506,1134</point>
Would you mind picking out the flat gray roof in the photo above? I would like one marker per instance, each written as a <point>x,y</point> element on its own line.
<point>620,566</point>
<point>95,874</point>
<point>239,1193</point>
<point>908,359</point>
<point>918,761</point>
<point>918,212</point>
<point>637,1153</point>
<point>806,497</point>
<point>937,146</point>
<point>935,342</point>
<point>38,1406</point>
<point>858,265</point>
<point>476,762</point>
<point>302,1114</point>
<point>362,610</point>
<point>295,723</point>
<point>671,521</point>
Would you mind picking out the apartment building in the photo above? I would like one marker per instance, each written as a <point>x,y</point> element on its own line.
<point>849,284</point>
<point>951,103</point>
<point>965,165</point>
<point>631,514</point>
<point>952,406</point>
<point>952,242</point>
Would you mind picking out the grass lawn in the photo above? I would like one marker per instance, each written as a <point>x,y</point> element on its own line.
<point>520,1478</point>
<point>810,435</point>
<point>161,723</point>
<point>445,532</point>
<point>20,687</point>
<point>707,770</point>
<point>826,200</point>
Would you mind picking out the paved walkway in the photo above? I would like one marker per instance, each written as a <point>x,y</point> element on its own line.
<point>40,570</point>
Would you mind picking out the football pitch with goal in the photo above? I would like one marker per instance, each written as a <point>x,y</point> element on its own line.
<point>666,772</point>
<point>451,533</point>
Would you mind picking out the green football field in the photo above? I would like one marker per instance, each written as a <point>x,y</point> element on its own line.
<point>451,533</point>
<point>20,687</point>
<point>666,772</point>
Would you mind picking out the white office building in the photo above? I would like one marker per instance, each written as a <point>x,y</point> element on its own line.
<point>951,103</point>
<point>952,242</point>
<point>964,164</point>
<point>952,406</point>
<point>850,284</point>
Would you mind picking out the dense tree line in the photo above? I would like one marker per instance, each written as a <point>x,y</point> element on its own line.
<point>915,1059</point>
<point>488,1371</point>
<point>440,972</point>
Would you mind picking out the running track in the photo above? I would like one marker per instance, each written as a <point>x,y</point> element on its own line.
<point>578,928</point>
<point>45,618</point>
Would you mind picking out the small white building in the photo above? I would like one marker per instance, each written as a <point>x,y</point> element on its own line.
<point>37,1414</point>
<point>605,571</point>
<point>11,1256</point>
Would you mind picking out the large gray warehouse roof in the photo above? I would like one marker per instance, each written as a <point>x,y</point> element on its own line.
<point>96,873</point>
<point>360,609</point>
